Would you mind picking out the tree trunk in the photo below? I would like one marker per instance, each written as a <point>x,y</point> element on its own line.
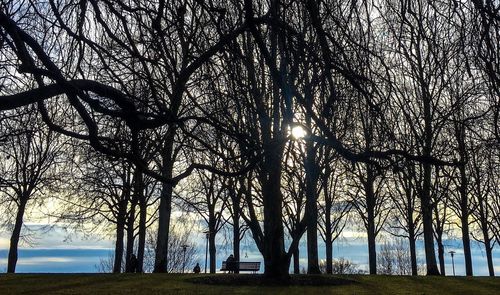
<point>142,234</point>
<point>14,238</point>
<point>411,234</point>
<point>120,224</point>
<point>296,261</point>
<point>139,195</point>
<point>236,227</point>
<point>328,233</point>
<point>164,210</point>
<point>329,256</point>
<point>489,256</point>
<point>372,251</point>
<point>371,231</point>
<point>464,201</point>
<point>487,241</point>
<point>441,257</point>
<point>426,203</point>
<point>466,245</point>
<point>120,232</point>
<point>130,236</point>
<point>211,245</point>
<point>276,261</point>
<point>413,253</point>
<point>425,196</point>
<point>312,175</point>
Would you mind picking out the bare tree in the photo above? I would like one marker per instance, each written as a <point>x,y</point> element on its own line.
<point>482,180</point>
<point>394,258</point>
<point>405,220</point>
<point>333,210</point>
<point>341,266</point>
<point>178,259</point>
<point>30,156</point>
<point>165,85</point>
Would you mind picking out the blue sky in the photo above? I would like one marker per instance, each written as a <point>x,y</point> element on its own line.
<point>53,252</point>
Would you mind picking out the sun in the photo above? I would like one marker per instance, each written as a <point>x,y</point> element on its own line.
<point>298,132</point>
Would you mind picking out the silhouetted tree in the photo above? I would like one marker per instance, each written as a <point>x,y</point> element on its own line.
<point>30,159</point>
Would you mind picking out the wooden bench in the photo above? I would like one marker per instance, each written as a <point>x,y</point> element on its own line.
<point>243,266</point>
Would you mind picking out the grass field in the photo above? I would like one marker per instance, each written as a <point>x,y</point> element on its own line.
<point>183,284</point>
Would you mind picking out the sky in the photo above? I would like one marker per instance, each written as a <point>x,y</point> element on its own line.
<point>54,252</point>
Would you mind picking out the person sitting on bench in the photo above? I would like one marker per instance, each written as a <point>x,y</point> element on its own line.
<point>231,264</point>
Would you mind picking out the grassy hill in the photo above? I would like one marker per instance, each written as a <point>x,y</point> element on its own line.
<point>240,284</point>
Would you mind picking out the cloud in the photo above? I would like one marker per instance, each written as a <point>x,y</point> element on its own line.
<point>40,260</point>
<point>4,243</point>
<point>56,260</point>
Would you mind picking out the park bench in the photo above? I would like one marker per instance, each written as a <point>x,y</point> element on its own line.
<point>243,266</point>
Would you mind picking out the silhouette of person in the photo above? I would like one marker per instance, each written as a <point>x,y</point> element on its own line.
<point>231,263</point>
<point>133,263</point>
<point>196,269</point>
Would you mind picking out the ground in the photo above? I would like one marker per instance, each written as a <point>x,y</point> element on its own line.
<point>240,284</point>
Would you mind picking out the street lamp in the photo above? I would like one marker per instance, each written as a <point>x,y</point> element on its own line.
<point>184,248</point>
<point>452,261</point>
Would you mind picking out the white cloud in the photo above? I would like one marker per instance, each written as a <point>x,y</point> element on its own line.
<point>4,243</point>
<point>41,260</point>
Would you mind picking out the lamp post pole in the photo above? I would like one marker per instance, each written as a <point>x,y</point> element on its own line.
<point>184,248</point>
<point>453,261</point>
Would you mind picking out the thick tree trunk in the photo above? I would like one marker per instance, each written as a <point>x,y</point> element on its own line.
<point>328,222</point>
<point>487,245</point>
<point>487,240</point>
<point>139,195</point>
<point>142,235</point>
<point>120,224</point>
<point>276,262</point>
<point>120,233</point>
<point>211,245</point>
<point>372,251</point>
<point>426,203</point>
<point>14,238</point>
<point>164,210</point>
<point>483,220</point>
<point>489,256</point>
<point>412,237</point>
<point>413,253</point>
<point>441,257</point>
<point>296,261</point>
<point>425,196</point>
<point>117,265</point>
<point>130,236</point>
<point>466,245</point>
<point>312,175</point>
<point>370,230</point>
<point>464,201</point>
<point>329,256</point>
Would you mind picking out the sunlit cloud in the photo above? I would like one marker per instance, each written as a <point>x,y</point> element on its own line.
<point>4,243</point>
<point>44,260</point>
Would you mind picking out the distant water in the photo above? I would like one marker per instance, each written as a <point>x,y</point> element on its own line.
<point>56,260</point>
<point>85,260</point>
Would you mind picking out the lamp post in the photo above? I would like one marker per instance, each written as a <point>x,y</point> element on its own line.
<point>453,261</point>
<point>184,248</point>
